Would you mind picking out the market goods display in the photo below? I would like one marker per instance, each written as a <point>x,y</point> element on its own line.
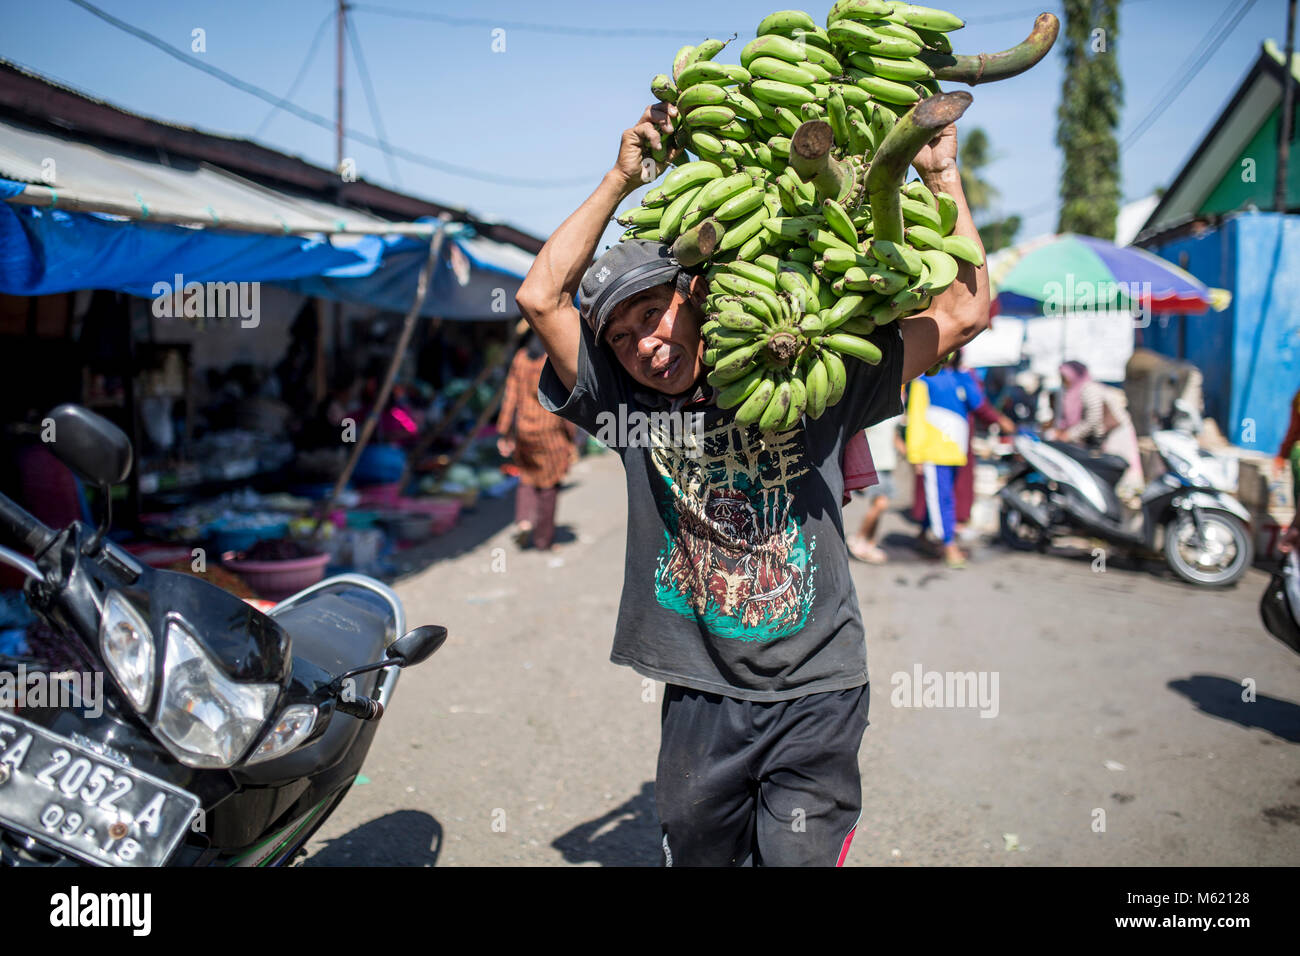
<point>789,188</point>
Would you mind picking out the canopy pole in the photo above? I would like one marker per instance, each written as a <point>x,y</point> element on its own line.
<point>381,399</point>
<point>450,416</point>
<point>507,354</point>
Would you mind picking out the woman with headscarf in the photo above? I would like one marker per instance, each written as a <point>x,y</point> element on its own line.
<point>540,443</point>
<point>1097,415</point>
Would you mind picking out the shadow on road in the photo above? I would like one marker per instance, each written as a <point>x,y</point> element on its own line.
<point>628,835</point>
<point>1221,697</point>
<point>403,838</point>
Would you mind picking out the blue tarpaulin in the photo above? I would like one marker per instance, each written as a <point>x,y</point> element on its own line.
<point>45,251</point>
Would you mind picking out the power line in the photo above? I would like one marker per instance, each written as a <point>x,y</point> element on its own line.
<point>302,72</point>
<point>1186,78</point>
<point>371,103</point>
<point>493,23</point>
<point>325,122</point>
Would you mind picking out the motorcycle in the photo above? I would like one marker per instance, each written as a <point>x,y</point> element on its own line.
<point>1202,532</point>
<point>222,736</point>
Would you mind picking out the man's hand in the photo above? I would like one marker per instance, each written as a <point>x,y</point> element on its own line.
<point>937,160</point>
<point>648,134</point>
<point>961,312</point>
<point>546,296</point>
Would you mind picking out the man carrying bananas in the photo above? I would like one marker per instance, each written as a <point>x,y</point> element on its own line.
<point>736,588</point>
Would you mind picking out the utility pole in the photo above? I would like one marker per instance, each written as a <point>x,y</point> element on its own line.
<point>338,87</point>
<point>1288,108</point>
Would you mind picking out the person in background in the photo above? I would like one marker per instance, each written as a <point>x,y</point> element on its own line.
<point>541,445</point>
<point>885,445</point>
<point>938,433</point>
<point>964,486</point>
<point>1097,415</point>
<point>1290,450</point>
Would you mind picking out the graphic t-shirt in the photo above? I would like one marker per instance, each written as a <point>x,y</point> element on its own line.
<point>736,575</point>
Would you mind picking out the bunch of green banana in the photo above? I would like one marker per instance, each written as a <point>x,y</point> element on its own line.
<point>789,186</point>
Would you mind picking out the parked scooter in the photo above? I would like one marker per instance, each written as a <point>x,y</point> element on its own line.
<point>1203,533</point>
<point>224,737</point>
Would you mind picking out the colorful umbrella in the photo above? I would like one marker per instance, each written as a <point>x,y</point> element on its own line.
<point>1068,272</point>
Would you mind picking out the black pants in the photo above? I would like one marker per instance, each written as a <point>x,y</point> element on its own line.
<point>742,783</point>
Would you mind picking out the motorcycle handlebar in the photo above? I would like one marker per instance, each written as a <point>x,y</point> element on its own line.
<point>26,528</point>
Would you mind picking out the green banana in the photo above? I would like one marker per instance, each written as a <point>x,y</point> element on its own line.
<point>753,407</point>
<point>701,94</point>
<point>942,270</point>
<point>704,71</point>
<point>685,56</point>
<point>688,175</point>
<point>927,18</point>
<point>888,91</point>
<point>818,386</point>
<point>840,222</point>
<point>741,231</point>
<point>750,270</point>
<point>964,248</point>
<point>663,88</point>
<point>897,256</point>
<point>892,68</point>
<point>738,391</point>
<point>783,21</point>
<point>856,10</point>
<point>836,375</point>
<point>708,116</point>
<point>771,68</point>
<point>798,402</point>
<point>772,44</point>
<point>777,409</point>
<point>920,213</point>
<point>922,238</point>
<point>781,94</point>
<point>852,345</point>
<point>947,213</point>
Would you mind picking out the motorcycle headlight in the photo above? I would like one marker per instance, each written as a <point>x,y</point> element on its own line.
<point>205,718</point>
<point>293,726</point>
<point>128,648</point>
<point>1186,469</point>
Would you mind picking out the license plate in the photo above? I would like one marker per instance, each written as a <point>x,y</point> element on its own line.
<point>62,793</point>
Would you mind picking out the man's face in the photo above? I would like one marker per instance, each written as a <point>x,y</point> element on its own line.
<point>655,334</point>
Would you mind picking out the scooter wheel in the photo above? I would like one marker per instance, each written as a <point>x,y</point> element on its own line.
<point>1217,559</point>
<point>1018,533</point>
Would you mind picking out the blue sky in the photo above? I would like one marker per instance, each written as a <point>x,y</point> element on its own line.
<point>551,106</point>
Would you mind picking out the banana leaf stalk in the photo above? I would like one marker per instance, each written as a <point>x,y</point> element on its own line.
<point>810,156</point>
<point>987,67</point>
<point>888,169</point>
<point>698,243</point>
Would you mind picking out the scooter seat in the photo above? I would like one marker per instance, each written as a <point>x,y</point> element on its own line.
<point>1109,468</point>
<point>334,633</point>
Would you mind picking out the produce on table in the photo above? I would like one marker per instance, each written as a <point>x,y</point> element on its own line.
<point>789,184</point>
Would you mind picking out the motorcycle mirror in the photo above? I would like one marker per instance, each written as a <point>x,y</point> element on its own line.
<point>417,645</point>
<point>92,446</point>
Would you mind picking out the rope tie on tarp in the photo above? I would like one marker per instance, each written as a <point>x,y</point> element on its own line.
<point>216,220</point>
<point>144,206</point>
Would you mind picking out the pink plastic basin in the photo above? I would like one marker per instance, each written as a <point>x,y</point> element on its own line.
<point>276,580</point>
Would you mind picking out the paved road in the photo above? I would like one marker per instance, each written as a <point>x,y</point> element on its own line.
<point>1120,738</point>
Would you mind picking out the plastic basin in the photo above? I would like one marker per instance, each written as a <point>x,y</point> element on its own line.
<point>276,580</point>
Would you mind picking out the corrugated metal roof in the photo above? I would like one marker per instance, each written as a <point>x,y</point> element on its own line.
<point>69,174</point>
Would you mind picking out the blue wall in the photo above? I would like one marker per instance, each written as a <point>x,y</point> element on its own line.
<point>1249,353</point>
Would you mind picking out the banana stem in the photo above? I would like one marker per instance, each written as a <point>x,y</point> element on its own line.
<point>698,243</point>
<point>889,165</point>
<point>987,67</point>
<point>810,155</point>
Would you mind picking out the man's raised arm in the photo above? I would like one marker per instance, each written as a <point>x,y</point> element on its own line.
<point>962,311</point>
<point>546,296</point>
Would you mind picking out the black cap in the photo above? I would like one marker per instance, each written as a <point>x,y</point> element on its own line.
<point>626,269</point>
